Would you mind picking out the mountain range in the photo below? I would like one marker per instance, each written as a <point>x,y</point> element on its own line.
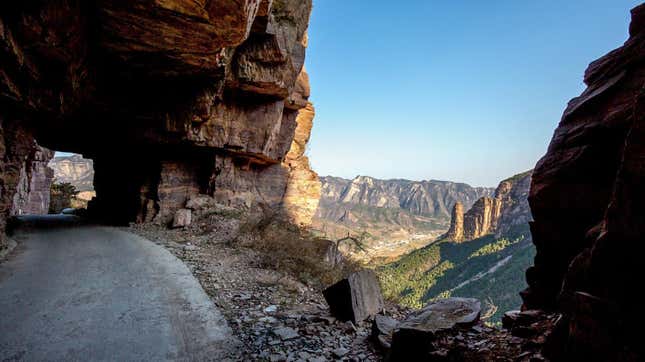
<point>389,217</point>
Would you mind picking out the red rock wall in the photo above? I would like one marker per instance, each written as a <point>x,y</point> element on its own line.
<point>586,197</point>
<point>163,85</point>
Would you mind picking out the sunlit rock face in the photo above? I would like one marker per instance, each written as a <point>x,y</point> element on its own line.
<point>189,96</point>
<point>501,214</point>
<point>456,230</point>
<point>482,218</point>
<point>586,197</point>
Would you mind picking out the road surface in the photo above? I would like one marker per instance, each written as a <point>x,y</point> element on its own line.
<point>81,293</point>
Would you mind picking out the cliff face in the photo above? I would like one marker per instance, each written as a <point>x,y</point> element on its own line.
<point>501,214</point>
<point>302,195</point>
<point>456,231</point>
<point>75,170</point>
<point>586,197</point>
<point>514,206</point>
<point>189,97</point>
<point>482,218</point>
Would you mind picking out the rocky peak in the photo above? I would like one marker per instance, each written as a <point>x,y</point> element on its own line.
<point>497,214</point>
<point>456,231</point>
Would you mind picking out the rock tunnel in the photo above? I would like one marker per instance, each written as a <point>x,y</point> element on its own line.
<point>169,98</point>
<point>175,98</point>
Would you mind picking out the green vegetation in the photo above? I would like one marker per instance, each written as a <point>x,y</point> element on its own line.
<point>487,268</point>
<point>61,197</point>
<point>495,247</point>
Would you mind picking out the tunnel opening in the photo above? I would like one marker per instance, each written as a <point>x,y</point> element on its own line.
<point>72,186</point>
<point>143,186</point>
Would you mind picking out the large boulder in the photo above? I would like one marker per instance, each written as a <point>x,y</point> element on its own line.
<point>412,341</point>
<point>382,329</point>
<point>356,298</point>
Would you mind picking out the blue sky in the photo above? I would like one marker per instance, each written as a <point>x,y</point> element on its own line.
<point>466,91</point>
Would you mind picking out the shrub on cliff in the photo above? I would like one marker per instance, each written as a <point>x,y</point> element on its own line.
<point>294,250</point>
<point>61,197</point>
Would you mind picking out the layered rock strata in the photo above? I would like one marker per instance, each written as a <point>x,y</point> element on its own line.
<point>189,97</point>
<point>586,197</point>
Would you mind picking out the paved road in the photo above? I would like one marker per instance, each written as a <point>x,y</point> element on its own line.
<point>97,293</point>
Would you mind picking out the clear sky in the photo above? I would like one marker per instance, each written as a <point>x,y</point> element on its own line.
<point>467,91</point>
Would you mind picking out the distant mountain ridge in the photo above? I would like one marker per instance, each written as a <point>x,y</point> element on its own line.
<point>397,214</point>
<point>427,198</point>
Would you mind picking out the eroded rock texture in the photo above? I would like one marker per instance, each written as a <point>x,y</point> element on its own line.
<point>24,175</point>
<point>482,218</point>
<point>33,192</point>
<point>586,197</point>
<point>189,96</point>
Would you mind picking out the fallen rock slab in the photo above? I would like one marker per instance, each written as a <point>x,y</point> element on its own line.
<point>412,339</point>
<point>516,318</point>
<point>182,218</point>
<point>356,298</point>
<point>382,329</point>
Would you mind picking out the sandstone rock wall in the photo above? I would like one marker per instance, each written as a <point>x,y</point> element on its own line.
<point>303,186</point>
<point>189,97</point>
<point>586,197</point>
<point>12,150</point>
<point>482,218</point>
<point>33,192</point>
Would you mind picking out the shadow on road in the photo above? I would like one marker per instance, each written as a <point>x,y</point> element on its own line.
<point>27,222</point>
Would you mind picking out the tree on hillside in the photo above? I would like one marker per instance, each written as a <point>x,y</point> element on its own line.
<point>61,196</point>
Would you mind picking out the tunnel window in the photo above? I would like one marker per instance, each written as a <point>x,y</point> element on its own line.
<point>72,184</point>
